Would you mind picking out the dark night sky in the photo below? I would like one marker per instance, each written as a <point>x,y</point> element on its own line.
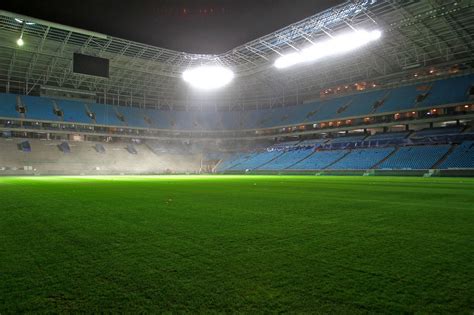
<point>196,26</point>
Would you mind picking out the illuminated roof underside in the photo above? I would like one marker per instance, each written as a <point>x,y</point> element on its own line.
<point>415,34</point>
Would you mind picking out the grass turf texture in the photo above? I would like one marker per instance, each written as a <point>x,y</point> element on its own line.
<point>236,243</point>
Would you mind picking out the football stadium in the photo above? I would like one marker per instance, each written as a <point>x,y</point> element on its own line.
<point>325,167</point>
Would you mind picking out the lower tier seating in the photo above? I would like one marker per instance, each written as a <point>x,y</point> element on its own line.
<point>461,157</point>
<point>320,160</point>
<point>287,159</point>
<point>362,159</point>
<point>255,160</point>
<point>415,157</point>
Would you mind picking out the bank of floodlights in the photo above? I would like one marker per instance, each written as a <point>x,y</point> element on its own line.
<point>208,77</point>
<point>337,45</point>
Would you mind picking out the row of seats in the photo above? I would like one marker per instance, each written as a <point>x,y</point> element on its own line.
<point>362,159</point>
<point>461,157</point>
<point>287,159</point>
<point>415,157</point>
<point>422,95</point>
<point>305,158</point>
<point>430,132</point>
<point>382,138</point>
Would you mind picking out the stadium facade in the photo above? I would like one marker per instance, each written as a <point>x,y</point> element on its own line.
<point>404,104</point>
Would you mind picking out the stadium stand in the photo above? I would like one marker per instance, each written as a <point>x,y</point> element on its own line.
<point>229,162</point>
<point>86,158</point>
<point>39,108</point>
<point>255,160</point>
<point>380,151</point>
<point>320,160</point>
<point>461,157</point>
<point>405,98</point>
<point>74,111</point>
<point>341,142</point>
<point>287,159</point>
<point>312,142</point>
<point>7,106</point>
<point>362,158</point>
<point>432,132</point>
<point>415,157</point>
<point>388,136</point>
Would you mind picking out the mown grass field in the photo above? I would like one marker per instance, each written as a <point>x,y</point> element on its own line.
<point>248,244</point>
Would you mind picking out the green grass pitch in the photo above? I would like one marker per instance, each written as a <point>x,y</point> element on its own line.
<point>250,244</point>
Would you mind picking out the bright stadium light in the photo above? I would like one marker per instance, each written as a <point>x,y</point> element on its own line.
<point>334,46</point>
<point>286,61</point>
<point>208,77</point>
<point>21,21</point>
<point>20,42</point>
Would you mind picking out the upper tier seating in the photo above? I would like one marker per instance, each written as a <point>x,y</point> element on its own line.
<point>7,106</point>
<point>421,95</point>
<point>431,132</point>
<point>347,139</point>
<point>287,159</point>
<point>39,108</point>
<point>415,157</point>
<point>388,135</point>
<point>74,111</point>
<point>362,159</point>
<point>461,157</point>
<point>319,160</point>
<point>312,142</point>
<point>286,144</point>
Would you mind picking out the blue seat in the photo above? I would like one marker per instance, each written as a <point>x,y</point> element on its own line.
<point>255,160</point>
<point>319,160</point>
<point>39,108</point>
<point>134,117</point>
<point>461,157</point>
<point>74,111</point>
<point>362,159</point>
<point>8,106</point>
<point>415,157</point>
<point>450,91</point>
<point>287,159</point>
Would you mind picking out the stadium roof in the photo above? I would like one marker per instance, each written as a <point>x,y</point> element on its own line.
<point>416,34</point>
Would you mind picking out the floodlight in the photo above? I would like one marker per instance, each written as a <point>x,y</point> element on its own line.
<point>288,60</point>
<point>208,77</point>
<point>335,46</point>
<point>20,42</point>
<point>21,21</point>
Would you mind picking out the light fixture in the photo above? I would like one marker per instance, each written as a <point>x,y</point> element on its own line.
<point>208,77</point>
<point>20,42</point>
<point>21,22</point>
<point>335,46</point>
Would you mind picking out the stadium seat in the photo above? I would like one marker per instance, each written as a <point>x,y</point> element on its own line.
<point>362,159</point>
<point>256,160</point>
<point>415,157</point>
<point>287,159</point>
<point>320,160</point>
<point>461,157</point>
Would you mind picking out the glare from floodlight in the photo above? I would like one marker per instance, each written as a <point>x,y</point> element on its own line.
<point>20,42</point>
<point>21,21</point>
<point>335,46</point>
<point>208,77</point>
<point>288,60</point>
